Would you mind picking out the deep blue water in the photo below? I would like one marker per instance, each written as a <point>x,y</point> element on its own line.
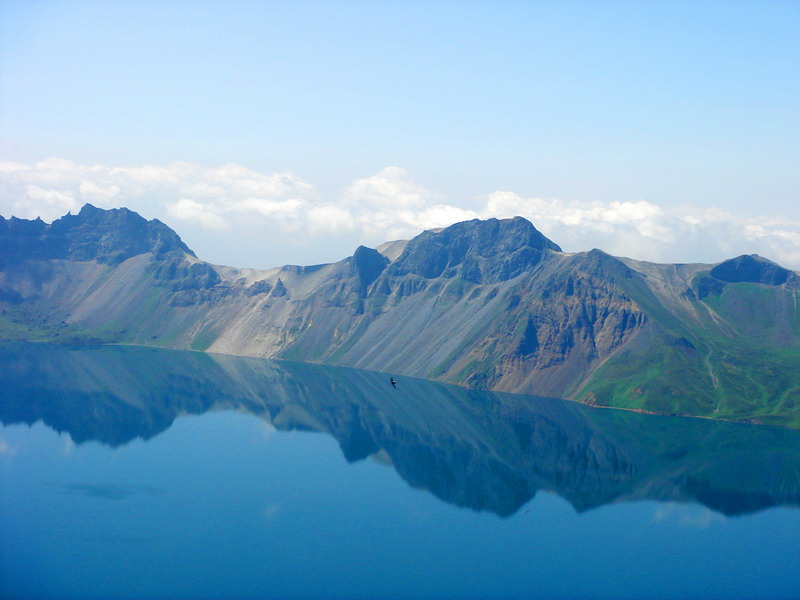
<point>385,500</point>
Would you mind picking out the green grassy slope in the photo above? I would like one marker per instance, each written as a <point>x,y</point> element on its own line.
<point>741,361</point>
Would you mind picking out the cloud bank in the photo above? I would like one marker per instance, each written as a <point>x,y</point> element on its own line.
<point>234,215</point>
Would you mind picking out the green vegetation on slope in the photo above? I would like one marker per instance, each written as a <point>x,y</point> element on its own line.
<point>204,339</point>
<point>744,363</point>
<point>18,326</point>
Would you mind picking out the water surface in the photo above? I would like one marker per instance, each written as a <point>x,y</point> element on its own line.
<point>136,472</point>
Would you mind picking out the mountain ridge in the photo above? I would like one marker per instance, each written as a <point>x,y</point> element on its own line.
<point>486,304</point>
<point>109,236</point>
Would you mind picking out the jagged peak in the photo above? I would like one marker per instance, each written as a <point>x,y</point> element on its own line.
<point>105,235</point>
<point>498,233</point>
<point>91,209</point>
<point>368,264</point>
<point>481,251</point>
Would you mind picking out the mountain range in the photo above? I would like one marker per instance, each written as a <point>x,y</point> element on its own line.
<point>488,304</point>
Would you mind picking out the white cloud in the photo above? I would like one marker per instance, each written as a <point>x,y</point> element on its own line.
<point>331,219</point>
<point>442,215</point>
<point>265,207</point>
<point>11,167</point>
<point>231,214</point>
<point>650,232</point>
<point>54,200</point>
<point>390,189</point>
<point>183,190</point>
<point>97,193</point>
<point>190,210</point>
<point>391,205</point>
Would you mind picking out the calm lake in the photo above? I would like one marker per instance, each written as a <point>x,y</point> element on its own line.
<point>144,473</point>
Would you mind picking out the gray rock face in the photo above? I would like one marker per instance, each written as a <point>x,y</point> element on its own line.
<point>486,304</point>
<point>476,251</point>
<point>368,264</point>
<point>751,268</point>
<point>105,236</point>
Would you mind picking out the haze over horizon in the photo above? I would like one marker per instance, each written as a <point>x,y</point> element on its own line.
<point>277,133</point>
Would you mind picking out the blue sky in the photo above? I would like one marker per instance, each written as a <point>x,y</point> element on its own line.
<point>660,130</point>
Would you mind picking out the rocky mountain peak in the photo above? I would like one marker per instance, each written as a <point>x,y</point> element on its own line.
<point>751,268</point>
<point>107,236</point>
<point>479,251</point>
<point>368,264</point>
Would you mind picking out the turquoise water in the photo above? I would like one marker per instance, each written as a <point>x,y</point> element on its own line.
<point>137,473</point>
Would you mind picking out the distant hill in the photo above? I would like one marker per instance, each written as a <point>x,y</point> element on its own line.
<point>486,304</point>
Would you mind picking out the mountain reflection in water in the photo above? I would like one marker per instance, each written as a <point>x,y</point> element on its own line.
<point>482,450</point>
